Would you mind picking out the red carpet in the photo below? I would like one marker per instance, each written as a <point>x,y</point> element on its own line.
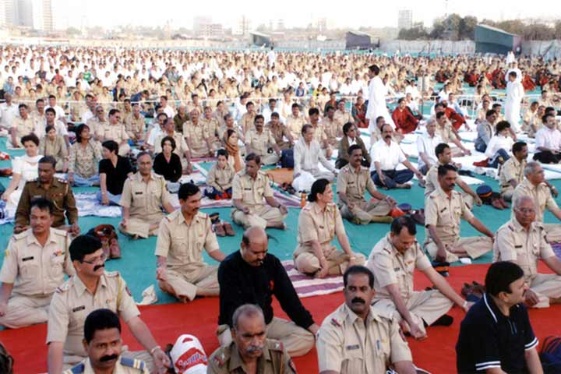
<point>436,354</point>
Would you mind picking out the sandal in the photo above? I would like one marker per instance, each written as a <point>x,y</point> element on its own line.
<point>228,229</point>
<point>219,229</point>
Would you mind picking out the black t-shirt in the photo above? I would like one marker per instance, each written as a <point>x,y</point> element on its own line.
<point>116,176</point>
<point>172,170</point>
<point>489,339</point>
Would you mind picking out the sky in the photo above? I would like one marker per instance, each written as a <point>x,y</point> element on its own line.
<point>296,13</point>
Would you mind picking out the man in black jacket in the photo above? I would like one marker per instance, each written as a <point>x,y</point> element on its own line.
<point>252,276</point>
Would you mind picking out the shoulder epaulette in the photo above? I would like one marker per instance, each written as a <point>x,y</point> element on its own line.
<point>63,181</point>
<point>221,356</point>
<point>132,363</point>
<point>20,235</point>
<point>32,180</point>
<point>64,287</point>
<point>112,274</point>
<point>275,345</point>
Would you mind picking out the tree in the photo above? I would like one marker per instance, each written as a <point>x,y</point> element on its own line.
<point>467,28</point>
<point>73,31</point>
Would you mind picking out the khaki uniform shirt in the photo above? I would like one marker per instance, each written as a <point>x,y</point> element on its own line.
<point>182,244</point>
<point>514,243</point>
<point>354,184</point>
<point>511,169</point>
<point>275,360</point>
<point>446,133</point>
<point>431,180</point>
<point>59,193</point>
<point>348,345</point>
<point>117,132</point>
<point>94,123</point>
<point>393,267</point>
<point>315,224</point>
<point>331,129</point>
<point>247,121</point>
<point>221,179</point>
<point>145,200</point>
<point>197,134</point>
<point>77,110</point>
<point>251,191</point>
<point>72,302</point>
<point>540,194</point>
<point>342,118</point>
<point>320,134</point>
<point>295,124</point>
<point>36,270</point>
<point>23,127</point>
<point>123,366</point>
<point>279,133</point>
<point>259,142</point>
<point>135,126</point>
<point>444,214</point>
<point>56,148</point>
<point>211,126</point>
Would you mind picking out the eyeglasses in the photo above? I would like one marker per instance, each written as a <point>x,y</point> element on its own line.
<point>526,210</point>
<point>96,260</point>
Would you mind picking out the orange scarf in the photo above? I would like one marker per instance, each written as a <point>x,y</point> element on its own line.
<point>234,152</point>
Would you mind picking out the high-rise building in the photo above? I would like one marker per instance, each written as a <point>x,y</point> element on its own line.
<point>33,14</point>
<point>405,19</point>
<point>242,27</point>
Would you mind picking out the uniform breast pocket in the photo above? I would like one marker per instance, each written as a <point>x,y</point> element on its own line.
<point>57,265</point>
<point>353,362</point>
<point>29,267</point>
<point>457,213</point>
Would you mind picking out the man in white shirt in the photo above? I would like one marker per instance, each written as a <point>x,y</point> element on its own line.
<point>386,156</point>
<point>8,112</point>
<point>60,115</point>
<point>426,144</point>
<point>548,141</point>
<point>377,97</point>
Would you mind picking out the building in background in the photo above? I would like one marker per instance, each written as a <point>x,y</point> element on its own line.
<point>32,14</point>
<point>405,19</point>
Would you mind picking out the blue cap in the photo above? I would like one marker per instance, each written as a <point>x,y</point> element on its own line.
<point>406,207</point>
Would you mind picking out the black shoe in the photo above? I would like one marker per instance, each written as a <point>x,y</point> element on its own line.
<point>444,320</point>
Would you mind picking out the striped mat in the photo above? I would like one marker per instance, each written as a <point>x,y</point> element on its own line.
<point>306,286</point>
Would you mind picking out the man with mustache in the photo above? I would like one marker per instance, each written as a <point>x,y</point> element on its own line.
<point>394,260</point>
<point>90,289</point>
<point>251,275</point>
<point>34,266</point>
<point>443,209</point>
<point>103,344</point>
<point>355,339</point>
<point>182,236</point>
<point>386,156</point>
<point>250,351</point>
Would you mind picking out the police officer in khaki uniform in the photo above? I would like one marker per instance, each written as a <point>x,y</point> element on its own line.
<point>353,180</point>
<point>221,174</point>
<point>21,126</point>
<point>135,124</point>
<point>34,266</point>
<point>444,155</point>
<point>355,338</point>
<point>249,188</point>
<point>319,222</point>
<point>280,132</point>
<point>197,136</point>
<point>248,118</point>
<point>58,191</point>
<point>250,350</point>
<point>90,289</point>
<point>295,121</point>
<point>181,238</point>
<point>443,210</point>
<point>512,172</point>
<point>103,344</point>
<point>212,125</point>
<point>394,260</point>
<point>534,186</point>
<point>522,240</point>
<point>144,195</point>
<point>259,141</point>
<point>332,127</point>
<point>114,130</point>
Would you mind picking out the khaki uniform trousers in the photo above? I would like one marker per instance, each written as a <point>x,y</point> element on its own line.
<point>141,226</point>
<point>475,247</point>
<point>427,306</point>
<point>259,216</point>
<point>337,262</point>
<point>296,340</point>
<point>546,286</point>
<point>186,283</point>
<point>365,211</point>
<point>25,311</point>
<point>70,360</point>
<point>552,232</point>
